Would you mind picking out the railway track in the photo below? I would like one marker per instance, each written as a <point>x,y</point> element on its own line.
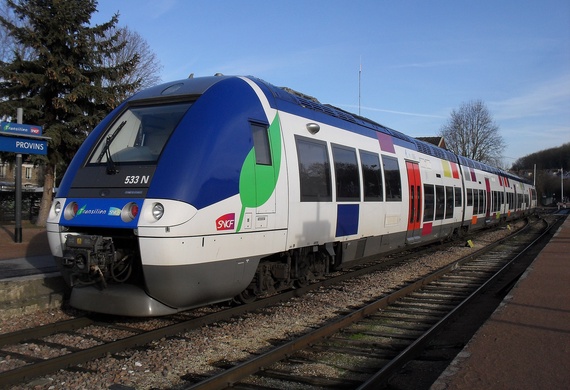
<point>121,335</point>
<point>366,347</point>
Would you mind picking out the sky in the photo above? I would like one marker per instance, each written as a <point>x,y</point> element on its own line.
<point>404,64</point>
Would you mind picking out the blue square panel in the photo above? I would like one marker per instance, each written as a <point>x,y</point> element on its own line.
<point>347,219</point>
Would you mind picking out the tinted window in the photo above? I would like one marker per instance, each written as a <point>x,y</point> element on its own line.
<point>475,201</point>
<point>449,202</point>
<point>439,202</point>
<point>458,197</point>
<point>371,176</point>
<point>429,199</point>
<point>314,170</point>
<point>346,174</point>
<point>393,182</point>
<point>261,144</point>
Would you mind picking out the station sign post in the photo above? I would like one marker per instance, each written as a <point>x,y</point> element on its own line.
<point>21,139</point>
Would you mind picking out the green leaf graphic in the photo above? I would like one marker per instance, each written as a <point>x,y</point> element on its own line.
<point>257,182</point>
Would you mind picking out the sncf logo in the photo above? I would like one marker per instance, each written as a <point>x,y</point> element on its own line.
<point>226,222</point>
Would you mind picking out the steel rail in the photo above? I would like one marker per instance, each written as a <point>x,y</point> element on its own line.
<point>38,369</point>
<point>44,330</point>
<point>380,378</point>
<point>229,377</point>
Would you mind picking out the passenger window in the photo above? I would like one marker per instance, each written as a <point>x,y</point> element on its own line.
<point>439,202</point>
<point>475,201</point>
<point>392,176</point>
<point>371,176</point>
<point>469,197</point>
<point>449,202</point>
<point>429,202</point>
<point>261,144</point>
<point>458,201</point>
<point>314,170</point>
<point>346,174</point>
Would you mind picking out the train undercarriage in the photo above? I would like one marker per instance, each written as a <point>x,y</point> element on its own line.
<point>93,259</point>
<point>292,269</point>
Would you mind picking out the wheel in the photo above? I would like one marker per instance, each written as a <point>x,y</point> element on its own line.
<point>246,296</point>
<point>302,282</point>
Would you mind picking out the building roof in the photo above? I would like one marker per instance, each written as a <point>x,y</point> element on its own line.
<point>437,141</point>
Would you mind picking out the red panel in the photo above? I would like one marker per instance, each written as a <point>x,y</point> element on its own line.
<point>455,170</point>
<point>488,187</point>
<point>415,191</point>
<point>427,228</point>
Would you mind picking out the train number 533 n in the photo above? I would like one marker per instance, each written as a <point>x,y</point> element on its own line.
<point>136,179</point>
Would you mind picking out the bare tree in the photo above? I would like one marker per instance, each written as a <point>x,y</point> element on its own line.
<point>471,132</point>
<point>9,47</point>
<point>147,70</point>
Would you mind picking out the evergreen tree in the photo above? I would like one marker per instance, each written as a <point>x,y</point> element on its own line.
<point>67,85</point>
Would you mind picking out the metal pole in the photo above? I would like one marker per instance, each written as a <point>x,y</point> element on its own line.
<point>562,184</point>
<point>18,211</point>
<point>359,75</point>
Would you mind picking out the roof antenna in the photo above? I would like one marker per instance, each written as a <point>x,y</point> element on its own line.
<point>359,75</point>
<point>191,76</point>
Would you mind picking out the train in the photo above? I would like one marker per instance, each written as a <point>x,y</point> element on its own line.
<point>220,188</point>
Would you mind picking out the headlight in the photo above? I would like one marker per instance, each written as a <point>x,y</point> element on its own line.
<point>157,211</point>
<point>57,207</point>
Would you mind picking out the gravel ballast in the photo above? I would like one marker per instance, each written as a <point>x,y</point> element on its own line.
<point>163,363</point>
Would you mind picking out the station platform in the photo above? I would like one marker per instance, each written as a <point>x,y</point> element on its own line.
<point>29,278</point>
<point>32,256</point>
<point>526,342</point>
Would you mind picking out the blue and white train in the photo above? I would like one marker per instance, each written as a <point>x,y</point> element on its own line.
<point>207,189</point>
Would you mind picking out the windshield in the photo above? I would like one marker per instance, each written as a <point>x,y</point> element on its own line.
<point>138,135</point>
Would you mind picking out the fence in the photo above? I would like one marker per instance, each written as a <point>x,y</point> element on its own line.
<point>30,205</point>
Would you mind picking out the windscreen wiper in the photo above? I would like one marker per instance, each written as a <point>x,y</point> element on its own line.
<point>111,168</point>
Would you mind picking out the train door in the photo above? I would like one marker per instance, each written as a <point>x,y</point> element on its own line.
<point>415,206</point>
<point>258,177</point>
<point>264,173</point>
<point>488,208</point>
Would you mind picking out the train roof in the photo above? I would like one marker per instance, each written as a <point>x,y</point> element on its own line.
<point>180,88</point>
<point>309,102</point>
<point>197,86</point>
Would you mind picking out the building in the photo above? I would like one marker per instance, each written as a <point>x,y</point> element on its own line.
<point>437,141</point>
<point>32,176</point>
